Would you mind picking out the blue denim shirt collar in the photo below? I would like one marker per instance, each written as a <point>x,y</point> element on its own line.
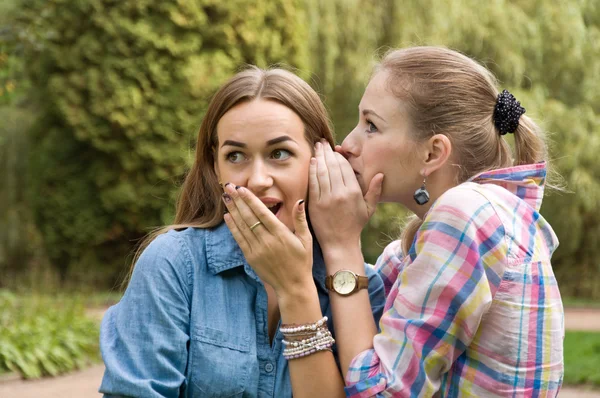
<point>223,253</point>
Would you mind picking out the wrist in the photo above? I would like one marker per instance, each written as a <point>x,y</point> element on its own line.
<point>300,306</point>
<point>348,257</point>
<point>300,296</point>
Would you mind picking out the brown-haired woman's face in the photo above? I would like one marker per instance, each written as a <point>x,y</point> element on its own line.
<point>261,146</point>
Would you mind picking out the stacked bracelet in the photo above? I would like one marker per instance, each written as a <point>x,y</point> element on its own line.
<point>306,339</point>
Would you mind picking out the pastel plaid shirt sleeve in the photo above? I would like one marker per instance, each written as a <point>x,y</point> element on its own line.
<point>436,298</point>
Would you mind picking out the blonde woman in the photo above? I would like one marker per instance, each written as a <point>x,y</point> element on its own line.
<point>473,307</point>
<point>196,320</point>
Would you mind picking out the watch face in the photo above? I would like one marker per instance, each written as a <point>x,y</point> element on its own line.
<point>344,282</point>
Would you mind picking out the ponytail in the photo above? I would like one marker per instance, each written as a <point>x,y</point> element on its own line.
<point>530,146</point>
<point>413,224</point>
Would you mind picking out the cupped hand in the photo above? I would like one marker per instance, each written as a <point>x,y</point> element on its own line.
<point>338,209</point>
<point>280,257</point>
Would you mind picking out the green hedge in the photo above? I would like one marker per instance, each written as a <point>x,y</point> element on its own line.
<point>45,336</point>
<point>120,88</point>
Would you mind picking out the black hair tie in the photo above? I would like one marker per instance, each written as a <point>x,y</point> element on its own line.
<point>507,113</point>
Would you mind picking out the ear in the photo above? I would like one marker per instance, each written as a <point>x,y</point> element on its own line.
<point>437,152</point>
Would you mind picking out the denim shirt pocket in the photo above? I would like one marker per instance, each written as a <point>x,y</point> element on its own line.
<point>220,362</point>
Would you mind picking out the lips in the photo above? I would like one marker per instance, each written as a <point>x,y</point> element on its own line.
<point>273,204</point>
<point>275,208</point>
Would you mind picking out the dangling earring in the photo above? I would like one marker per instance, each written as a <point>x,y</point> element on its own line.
<point>421,195</point>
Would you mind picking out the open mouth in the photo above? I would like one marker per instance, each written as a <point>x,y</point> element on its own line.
<point>274,208</point>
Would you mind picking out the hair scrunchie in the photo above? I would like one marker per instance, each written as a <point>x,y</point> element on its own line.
<point>507,113</point>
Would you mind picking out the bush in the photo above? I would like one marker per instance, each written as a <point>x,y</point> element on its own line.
<point>44,336</point>
<point>123,87</point>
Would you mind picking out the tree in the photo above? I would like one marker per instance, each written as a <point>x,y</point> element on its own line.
<point>546,52</point>
<point>124,85</point>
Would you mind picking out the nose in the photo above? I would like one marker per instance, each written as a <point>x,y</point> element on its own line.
<point>260,177</point>
<point>351,144</point>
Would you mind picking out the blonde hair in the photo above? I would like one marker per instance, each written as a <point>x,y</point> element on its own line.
<point>449,93</point>
<point>199,204</point>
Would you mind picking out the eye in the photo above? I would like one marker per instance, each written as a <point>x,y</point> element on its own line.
<point>235,157</point>
<point>280,154</point>
<point>371,128</point>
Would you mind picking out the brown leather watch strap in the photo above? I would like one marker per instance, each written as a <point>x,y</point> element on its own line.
<point>363,282</point>
<point>329,282</point>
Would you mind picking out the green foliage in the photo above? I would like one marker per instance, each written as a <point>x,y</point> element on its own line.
<point>42,336</point>
<point>545,57</point>
<point>123,87</point>
<point>582,358</point>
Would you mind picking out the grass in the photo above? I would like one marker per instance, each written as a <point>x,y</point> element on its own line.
<point>582,358</point>
<point>576,302</point>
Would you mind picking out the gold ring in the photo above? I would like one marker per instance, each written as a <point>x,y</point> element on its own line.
<point>256,224</point>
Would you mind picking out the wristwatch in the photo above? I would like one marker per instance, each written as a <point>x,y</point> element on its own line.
<point>345,282</point>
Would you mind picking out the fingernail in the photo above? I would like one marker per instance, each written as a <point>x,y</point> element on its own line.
<point>300,203</point>
<point>227,183</point>
<point>226,198</point>
<point>237,187</point>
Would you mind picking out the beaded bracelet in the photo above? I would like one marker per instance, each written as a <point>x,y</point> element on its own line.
<point>321,332</point>
<point>299,353</point>
<point>306,339</point>
<point>293,328</point>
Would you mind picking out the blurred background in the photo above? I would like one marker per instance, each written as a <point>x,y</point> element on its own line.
<point>100,102</point>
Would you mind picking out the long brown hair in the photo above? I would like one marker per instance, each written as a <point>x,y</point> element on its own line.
<point>449,93</point>
<point>199,204</point>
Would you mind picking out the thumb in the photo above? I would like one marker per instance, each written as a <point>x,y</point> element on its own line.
<point>300,223</point>
<point>374,193</point>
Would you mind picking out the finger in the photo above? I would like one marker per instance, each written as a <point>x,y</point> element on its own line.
<point>314,192</point>
<point>262,213</point>
<point>237,234</point>
<point>335,174</point>
<point>347,172</point>
<point>340,150</point>
<point>374,193</point>
<point>301,225</point>
<point>322,171</point>
<point>241,215</point>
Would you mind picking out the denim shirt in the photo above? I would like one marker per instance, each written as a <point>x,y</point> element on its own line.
<point>193,322</point>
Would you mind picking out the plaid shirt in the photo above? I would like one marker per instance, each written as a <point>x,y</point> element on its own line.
<point>474,308</point>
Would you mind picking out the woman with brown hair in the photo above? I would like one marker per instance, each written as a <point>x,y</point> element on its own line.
<point>196,320</point>
<point>473,307</point>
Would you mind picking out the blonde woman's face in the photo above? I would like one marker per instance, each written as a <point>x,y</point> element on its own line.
<point>381,142</point>
<point>262,147</point>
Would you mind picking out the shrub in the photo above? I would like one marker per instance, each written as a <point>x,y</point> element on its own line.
<point>45,336</point>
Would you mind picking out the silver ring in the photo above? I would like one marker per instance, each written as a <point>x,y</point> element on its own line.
<point>256,224</point>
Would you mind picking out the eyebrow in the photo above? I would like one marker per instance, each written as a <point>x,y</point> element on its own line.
<point>234,143</point>
<point>371,112</point>
<point>269,143</point>
<point>280,139</point>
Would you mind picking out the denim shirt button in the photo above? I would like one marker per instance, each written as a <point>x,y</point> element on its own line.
<point>269,367</point>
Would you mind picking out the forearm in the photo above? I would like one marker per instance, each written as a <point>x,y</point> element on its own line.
<point>317,374</point>
<point>352,315</point>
